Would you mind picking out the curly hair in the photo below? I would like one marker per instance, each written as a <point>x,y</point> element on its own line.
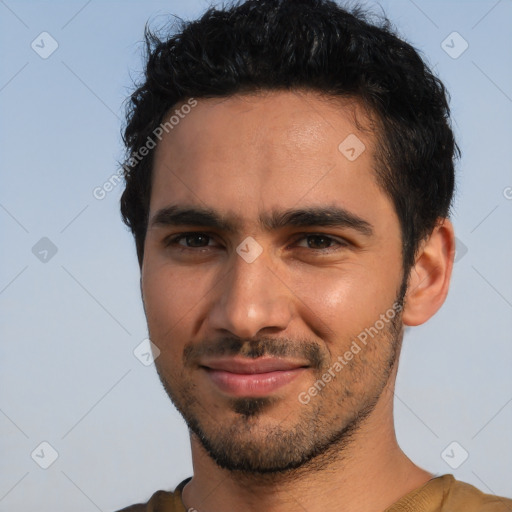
<point>315,45</point>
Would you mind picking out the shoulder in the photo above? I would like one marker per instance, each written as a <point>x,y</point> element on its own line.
<point>161,501</point>
<point>467,498</point>
<point>134,508</point>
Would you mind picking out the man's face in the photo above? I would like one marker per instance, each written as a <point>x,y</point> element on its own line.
<point>245,334</point>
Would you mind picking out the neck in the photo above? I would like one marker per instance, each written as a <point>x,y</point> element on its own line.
<point>368,474</point>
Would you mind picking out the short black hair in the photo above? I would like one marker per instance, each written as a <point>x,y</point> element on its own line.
<point>313,45</point>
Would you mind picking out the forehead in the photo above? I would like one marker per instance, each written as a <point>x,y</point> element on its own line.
<point>249,153</point>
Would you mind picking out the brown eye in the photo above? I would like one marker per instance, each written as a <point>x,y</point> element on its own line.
<point>191,240</point>
<point>319,242</point>
<point>197,240</point>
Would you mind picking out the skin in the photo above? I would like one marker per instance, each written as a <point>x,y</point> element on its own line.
<point>305,298</point>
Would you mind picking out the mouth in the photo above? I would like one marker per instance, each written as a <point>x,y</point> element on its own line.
<point>242,377</point>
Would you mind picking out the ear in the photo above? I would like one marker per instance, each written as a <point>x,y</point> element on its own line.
<point>429,278</point>
<point>142,294</point>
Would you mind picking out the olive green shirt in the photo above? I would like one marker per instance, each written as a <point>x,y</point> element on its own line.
<point>440,494</point>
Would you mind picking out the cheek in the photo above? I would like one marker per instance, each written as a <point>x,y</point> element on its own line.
<point>170,300</point>
<point>346,302</point>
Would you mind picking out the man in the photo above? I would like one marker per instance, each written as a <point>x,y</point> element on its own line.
<point>288,185</point>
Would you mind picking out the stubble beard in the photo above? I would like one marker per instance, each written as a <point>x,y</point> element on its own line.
<point>255,444</point>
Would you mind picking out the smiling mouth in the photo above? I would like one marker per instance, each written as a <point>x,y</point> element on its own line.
<point>242,377</point>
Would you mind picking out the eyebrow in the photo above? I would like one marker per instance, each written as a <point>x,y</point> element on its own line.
<point>334,216</point>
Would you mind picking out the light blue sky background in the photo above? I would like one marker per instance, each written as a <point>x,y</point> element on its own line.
<point>69,326</point>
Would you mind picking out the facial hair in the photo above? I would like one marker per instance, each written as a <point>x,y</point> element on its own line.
<point>252,443</point>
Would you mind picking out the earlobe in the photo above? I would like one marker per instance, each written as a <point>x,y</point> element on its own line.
<point>429,278</point>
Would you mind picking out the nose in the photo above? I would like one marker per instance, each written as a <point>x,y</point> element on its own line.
<point>251,298</point>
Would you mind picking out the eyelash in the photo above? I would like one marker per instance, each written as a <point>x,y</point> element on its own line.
<point>175,239</point>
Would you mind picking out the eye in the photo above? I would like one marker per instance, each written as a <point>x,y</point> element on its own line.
<point>197,240</point>
<point>190,240</point>
<point>320,242</point>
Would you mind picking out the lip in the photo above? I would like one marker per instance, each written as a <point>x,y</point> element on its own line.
<point>254,377</point>
<point>250,366</point>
